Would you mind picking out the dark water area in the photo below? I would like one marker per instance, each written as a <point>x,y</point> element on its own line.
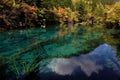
<point>57,52</point>
<point>100,64</point>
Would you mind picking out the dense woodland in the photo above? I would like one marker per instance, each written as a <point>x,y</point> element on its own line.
<point>29,13</point>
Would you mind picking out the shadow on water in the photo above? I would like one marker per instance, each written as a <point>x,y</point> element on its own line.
<point>100,64</point>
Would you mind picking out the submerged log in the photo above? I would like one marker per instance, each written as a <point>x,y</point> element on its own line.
<point>35,45</point>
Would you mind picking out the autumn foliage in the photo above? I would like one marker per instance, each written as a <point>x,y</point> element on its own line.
<point>17,16</point>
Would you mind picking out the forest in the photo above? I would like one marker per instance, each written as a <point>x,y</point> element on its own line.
<point>32,32</point>
<point>28,13</point>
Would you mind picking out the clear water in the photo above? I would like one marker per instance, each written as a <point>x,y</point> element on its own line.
<point>23,51</point>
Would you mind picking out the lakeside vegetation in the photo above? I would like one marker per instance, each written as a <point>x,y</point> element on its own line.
<point>27,13</point>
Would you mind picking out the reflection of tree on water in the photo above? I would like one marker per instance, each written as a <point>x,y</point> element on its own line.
<point>61,33</point>
<point>67,29</point>
<point>112,37</point>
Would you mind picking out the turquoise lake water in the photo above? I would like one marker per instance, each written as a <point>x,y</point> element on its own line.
<point>57,52</point>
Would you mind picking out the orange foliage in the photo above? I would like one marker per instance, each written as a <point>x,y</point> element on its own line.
<point>32,8</point>
<point>29,9</point>
<point>60,12</point>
